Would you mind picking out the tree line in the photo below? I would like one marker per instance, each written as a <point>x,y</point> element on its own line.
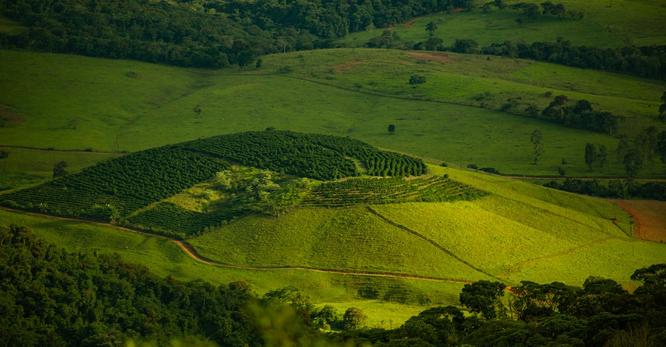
<point>200,33</point>
<point>600,313</point>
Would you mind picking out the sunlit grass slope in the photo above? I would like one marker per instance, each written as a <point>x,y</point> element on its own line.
<point>71,102</point>
<point>607,23</point>
<point>164,258</point>
<point>517,228</point>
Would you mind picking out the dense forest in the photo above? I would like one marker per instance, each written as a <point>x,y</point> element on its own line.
<point>618,189</point>
<point>201,33</point>
<point>49,296</point>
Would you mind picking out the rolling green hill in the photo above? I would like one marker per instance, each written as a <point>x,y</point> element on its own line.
<point>616,23</point>
<point>113,190</point>
<point>70,102</point>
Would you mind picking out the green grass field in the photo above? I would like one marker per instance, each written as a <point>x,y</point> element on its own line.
<point>505,234</point>
<point>31,166</point>
<point>71,102</point>
<point>607,23</point>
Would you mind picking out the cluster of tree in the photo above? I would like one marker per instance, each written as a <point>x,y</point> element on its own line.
<point>581,116</point>
<point>615,189</point>
<point>647,61</point>
<point>546,9</point>
<point>537,143</point>
<point>647,145</point>
<point>201,33</point>
<point>601,313</point>
<point>110,190</point>
<point>54,298</point>
<point>595,155</point>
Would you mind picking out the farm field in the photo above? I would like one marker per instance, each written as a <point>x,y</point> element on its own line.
<point>519,225</point>
<point>116,104</point>
<point>615,23</point>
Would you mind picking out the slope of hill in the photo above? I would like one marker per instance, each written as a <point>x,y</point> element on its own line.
<point>616,23</point>
<point>113,190</point>
<point>70,102</point>
<point>519,231</point>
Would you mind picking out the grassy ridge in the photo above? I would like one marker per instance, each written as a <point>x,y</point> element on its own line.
<point>616,23</point>
<point>108,108</point>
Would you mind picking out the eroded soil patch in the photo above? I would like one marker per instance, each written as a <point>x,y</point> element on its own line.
<point>649,218</point>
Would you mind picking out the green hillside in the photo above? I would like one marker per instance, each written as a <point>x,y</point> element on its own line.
<point>70,102</point>
<point>391,259</point>
<point>113,190</point>
<point>616,23</point>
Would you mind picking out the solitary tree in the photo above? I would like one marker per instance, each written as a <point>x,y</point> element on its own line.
<point>536,140</point>
<point>602,155</point>
<point>353,318</point>
<point>391,128</point>
<point>590,154</point>
<point>59,169</point>
<point>623,147</point>
<point>662,108</point>
<point>661,146</point>
<point>633,162</point>
<point>431,28</point>
<point>417,79</point>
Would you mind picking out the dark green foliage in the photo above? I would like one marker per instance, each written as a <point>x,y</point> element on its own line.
<point>59,169</point>
<point>615,189</point>
<point>389,190</point>
<point>353,318</point>
<point>388,39</point>
<point>647,62</point>
<point>581,116</point>
<point>196,32</point>
<point>49,297</point>
<point>600,313</point>
<point>417,79</point>
<point>590,154</point>
<point>122,185</point>
<point>483,297</point>
<point>465,46</point>
<point>307,155</point>
<point>167,218</point>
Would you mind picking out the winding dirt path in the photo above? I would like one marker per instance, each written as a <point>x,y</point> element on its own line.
<point>192,253</point>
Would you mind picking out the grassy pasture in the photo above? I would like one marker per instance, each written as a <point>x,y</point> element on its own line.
<point>476,80</point>
<point>71,102</point>
<point>518,226</point>
<point>29,166</point>
<point>607,23</point>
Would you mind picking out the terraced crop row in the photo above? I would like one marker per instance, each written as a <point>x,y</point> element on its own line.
<point>355,191</point>
<point>307,155</point>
